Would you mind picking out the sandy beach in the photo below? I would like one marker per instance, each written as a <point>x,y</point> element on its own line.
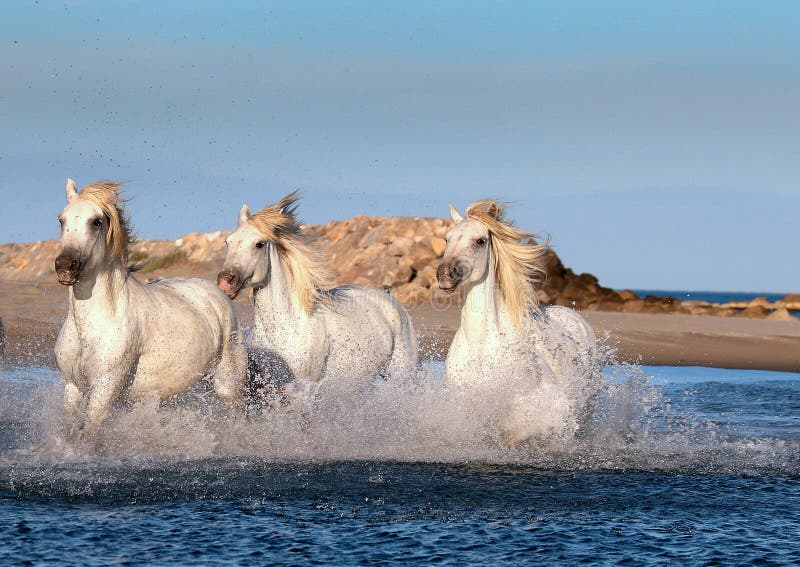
<point>643,338</point>
<point>33,313</point>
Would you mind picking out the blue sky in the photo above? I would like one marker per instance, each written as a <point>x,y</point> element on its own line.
<point>657,143</point>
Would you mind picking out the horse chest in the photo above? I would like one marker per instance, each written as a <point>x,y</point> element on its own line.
<point>486,359</point>
<point>97,330</point>
<point>101,335</point>
<point>302,347</point>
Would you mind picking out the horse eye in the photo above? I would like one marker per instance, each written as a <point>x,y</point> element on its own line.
<point>260,244</point>
<point>480,241</point>
<point>97,223</point>
<point>60,221</point>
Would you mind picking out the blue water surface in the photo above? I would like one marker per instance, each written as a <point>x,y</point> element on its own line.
<point>710,296</point>
<point>693,466</point>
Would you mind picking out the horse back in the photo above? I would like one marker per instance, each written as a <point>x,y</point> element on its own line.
<point>369,304</point>
<point>572,324</point>
<point>191,305</point>
<point>369,322</point>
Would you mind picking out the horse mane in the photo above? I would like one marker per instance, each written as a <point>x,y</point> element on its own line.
<point>518,259</point>
<point>106,195</point>
<point>278,223</point>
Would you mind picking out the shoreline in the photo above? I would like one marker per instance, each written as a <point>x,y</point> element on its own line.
<point>33,313</point>
<point>661,339</point>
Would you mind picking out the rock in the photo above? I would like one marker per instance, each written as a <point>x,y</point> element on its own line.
<point>437,244</point>
<point>634,306</point>
<point>400,246</point>
<point>424,258</point>
<point>756,311</point>
<point>792,301</point>
<point>702,308</point>
<point>426,277</point>
<point>721,312</point>
<point>695,303</point>
<point>411,292</point>
<point>370,256</point>
<point>782,314</point>
<point>397,252</point>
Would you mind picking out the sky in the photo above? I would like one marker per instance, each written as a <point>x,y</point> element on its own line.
<point>656,143</point>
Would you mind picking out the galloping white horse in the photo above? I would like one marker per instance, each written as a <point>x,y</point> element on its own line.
<point>309,336</point>
<point>543,359</point>
<point>121,336</point>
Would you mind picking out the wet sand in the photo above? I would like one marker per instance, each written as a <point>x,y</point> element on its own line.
<point>32,315</point>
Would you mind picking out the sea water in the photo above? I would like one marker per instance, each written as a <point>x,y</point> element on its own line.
<point>681,465</point>
<point>710,296</point>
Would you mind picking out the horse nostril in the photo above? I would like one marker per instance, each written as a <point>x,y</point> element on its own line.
<point>228,278</point>
<point>66,263</point>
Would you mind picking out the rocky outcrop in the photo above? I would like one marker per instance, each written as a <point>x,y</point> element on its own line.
<point>398,253</point>
<point>402,253</point>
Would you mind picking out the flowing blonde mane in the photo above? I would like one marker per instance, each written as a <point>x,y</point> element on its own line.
<point>518,259</point>
<point>106,195</point>
<point>279,224</point>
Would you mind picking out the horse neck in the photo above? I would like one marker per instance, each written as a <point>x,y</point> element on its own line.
<point>101,291</point>
<point>278,305</point>
<point>483,312</point>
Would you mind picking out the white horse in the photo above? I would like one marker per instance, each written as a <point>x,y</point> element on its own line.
<point>125,338</point>
<point>541,362</point>
<point>308,336</point>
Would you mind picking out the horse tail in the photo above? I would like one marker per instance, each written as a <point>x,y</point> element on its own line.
<point>404,361</point>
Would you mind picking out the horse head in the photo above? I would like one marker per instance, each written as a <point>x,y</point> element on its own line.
<point>91,226</point>
<point>466,256</point>
<point>247,261</point>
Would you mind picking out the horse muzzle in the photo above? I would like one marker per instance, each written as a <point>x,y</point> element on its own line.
<point>68,268</point>
<point>229,282</point>
<point>448,276</point>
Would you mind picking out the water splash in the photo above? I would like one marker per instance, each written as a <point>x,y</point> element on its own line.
<point>635,427</point>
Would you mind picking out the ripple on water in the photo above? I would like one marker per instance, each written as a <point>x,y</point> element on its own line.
<point>692,466</point>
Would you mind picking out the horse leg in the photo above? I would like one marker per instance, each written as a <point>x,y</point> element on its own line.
<point>404,361</point>
<point>73,400</point>
<point>102,393</point>
<point>547,412</point>
<point>230,373</point>
<point>516,429</point>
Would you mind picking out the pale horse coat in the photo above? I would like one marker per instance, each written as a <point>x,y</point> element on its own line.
<point>311,337</point>
<point>122,338</point>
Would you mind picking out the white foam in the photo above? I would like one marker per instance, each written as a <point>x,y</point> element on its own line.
<point>633,427</point>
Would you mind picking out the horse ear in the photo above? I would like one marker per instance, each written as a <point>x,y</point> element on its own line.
<point>493,211</point>
<point>72,190</point>
<point>244,214</point>
<point>455,215</point>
